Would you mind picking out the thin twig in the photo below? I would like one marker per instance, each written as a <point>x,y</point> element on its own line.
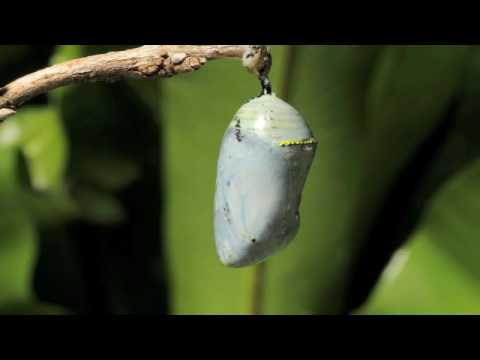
<point>148,61</point>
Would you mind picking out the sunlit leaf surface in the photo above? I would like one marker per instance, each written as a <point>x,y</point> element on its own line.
<point>437,272</point>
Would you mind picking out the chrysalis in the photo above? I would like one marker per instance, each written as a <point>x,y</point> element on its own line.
<point>265,156</point>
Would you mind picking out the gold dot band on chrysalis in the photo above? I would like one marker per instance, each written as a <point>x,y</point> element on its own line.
<point>298,142</point>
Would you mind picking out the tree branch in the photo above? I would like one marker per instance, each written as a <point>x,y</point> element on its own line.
<point>148,61</point>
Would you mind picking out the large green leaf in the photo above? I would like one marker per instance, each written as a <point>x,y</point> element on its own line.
<point>366,134</point>
<point>460,147</point>
<point>437,272</point>
<point>328,86</point>
<point>412,88</point>
<point>362,103</point>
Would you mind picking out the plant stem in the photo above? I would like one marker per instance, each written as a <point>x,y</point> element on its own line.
<point>148,61</point>
<point>258,288</point>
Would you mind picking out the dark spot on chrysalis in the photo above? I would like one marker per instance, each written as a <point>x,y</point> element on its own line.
<point>254,240</point>
<point>238,133</point>
<point>226,211</point>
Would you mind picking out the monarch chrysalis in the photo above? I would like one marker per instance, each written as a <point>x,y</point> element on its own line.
<point>265,157</point>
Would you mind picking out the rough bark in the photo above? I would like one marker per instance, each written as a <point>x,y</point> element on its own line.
<point>148,61</point>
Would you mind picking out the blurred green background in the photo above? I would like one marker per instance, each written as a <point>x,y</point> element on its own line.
<point>106,190</point>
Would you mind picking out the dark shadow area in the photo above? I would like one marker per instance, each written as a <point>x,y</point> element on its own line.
<point>109,266</point>
<point>399,214</point>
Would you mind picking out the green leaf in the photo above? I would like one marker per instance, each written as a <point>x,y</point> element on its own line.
<point>38,132</point>
<point>357,158</point>
<point>328,87</point>
<point>437,272</point>
<point>18,239</point>
<point>411,90</point>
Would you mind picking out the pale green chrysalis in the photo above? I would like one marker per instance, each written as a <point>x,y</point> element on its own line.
<point>265,157</point>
